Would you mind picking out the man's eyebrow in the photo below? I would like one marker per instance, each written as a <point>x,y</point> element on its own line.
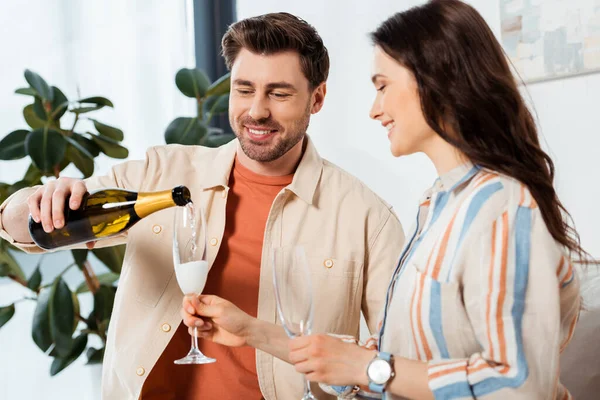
<point>269,86</point>
<point>243,82</point>
<point>281,85</point>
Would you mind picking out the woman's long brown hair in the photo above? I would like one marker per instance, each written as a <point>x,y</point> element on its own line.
<point>470,97</point>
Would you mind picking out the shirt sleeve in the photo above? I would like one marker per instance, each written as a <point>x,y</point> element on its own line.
<point>520,294</point>
<point>384,251</point>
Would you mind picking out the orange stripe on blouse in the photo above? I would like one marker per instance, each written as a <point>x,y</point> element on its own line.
<point>489,296</point>
<point>485,178</point>
<point>570,334</point>
<point>447,372</point>
<point>426,349</point>
<point>442,251</point>
<point>560,266</point>
<point>502,294</point>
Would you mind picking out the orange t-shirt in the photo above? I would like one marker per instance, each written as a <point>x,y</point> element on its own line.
<point>234,276</point>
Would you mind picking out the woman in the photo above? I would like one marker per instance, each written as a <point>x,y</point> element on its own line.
<point>484,297</point>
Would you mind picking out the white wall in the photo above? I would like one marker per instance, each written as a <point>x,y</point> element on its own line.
<point>126,51</point>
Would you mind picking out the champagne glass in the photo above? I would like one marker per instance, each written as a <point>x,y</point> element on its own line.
<point>191,266</point>
<point>294,295</point>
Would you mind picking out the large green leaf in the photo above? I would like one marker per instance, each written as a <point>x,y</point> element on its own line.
<point>11,267</point>
<point>104,279</point>
<point>110,147</point>
<point>185,130</point>
<point>40,109</point>
<point>62,317</point>
<point>112,257</point>
<point>108,131</point>
<point>39,85</point>
<point>61,363</point>
<point>95,356</point>
<point>40,329</point>
<point>6,313</point>
<point>88,144</point>
<point>32,119</point>
<point>83,162</point>
<point>215,105</point>
<point>12,147</point>
<point>76,311</point>
<point>220,87</point>
<point>4,189</point>
<point>80,255</point>
<point>26,91</point>
<point>35,280</point>
<point>192,82</point>
<point>81,148</point>
<point>60,104</point>
<point>216,138</point>
<point>100,101</point>
<point>104,299</point>
<point>46,147</point>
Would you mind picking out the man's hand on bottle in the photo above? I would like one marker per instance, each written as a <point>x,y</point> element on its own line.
<point>47,203</point>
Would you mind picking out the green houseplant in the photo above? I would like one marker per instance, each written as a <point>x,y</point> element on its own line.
<point>212,99</point>
<point>55,139</point>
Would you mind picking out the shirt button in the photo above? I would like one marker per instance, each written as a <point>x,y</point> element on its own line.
<point>140,371</point>
<point>213,241</point>
<point>328,263</point>
<point>156,229</point>
<point>165,327</point>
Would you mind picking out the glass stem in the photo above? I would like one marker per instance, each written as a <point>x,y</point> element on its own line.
<point>306,386</point>
<point>195,339</point>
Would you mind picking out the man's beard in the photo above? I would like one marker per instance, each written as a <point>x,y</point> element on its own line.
<point>277,146</point>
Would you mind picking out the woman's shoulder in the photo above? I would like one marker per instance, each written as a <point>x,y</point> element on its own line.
<point>489,195</point>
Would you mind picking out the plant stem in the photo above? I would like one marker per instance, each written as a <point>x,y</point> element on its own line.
<point>200,114</point>
<point>74,123</point>
<point>91,279</point>
<point>25,298</point>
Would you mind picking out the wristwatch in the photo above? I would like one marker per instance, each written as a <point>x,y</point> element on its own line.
<point>380,371</point>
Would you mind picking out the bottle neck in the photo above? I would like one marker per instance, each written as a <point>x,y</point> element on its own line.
<point>148,203</point>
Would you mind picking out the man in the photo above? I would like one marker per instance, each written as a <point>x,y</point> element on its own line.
<point>267,189</point>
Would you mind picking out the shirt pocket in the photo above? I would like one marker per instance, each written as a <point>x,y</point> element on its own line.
<point>440,325</point>
<point>337,300</point>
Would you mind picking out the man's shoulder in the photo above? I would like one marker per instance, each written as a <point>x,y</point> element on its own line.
<point>188,155</point>
<point>349,187</point>
<point>174,150</point>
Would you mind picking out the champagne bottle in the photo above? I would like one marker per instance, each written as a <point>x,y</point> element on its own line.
<point>106,213</point>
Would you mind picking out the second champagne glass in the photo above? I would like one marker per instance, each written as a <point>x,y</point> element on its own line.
<point>294,295</point>
<point>191,265</point>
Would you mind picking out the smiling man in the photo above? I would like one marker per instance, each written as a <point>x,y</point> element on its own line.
<point>267,189</point>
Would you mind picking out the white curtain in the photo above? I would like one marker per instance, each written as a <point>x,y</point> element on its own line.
<point>127,51</point>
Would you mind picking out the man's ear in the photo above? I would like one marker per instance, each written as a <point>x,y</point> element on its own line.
<point>318,97</point>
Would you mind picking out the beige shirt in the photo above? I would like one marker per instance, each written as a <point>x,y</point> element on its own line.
<point>352,239</point>
<point>483,292</point>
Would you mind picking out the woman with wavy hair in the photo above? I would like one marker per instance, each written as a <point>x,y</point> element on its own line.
<point>484,297</point>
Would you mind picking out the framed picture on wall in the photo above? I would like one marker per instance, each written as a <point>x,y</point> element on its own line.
<point>551,39</point>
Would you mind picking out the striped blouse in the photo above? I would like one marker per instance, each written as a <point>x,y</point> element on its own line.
<point>482,292</point>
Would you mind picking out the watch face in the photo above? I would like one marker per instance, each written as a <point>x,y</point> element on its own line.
<point>379,371</point>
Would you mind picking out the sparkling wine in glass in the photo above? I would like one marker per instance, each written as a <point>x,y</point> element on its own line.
<point>294,295</point>
<point>191,265</point>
